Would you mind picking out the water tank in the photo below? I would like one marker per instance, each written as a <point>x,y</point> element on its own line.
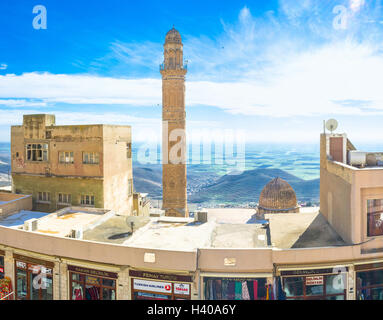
<point>357,158</point>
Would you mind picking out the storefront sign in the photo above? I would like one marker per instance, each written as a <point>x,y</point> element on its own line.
<point>34,261</point>
<point>182,288</point>
<point>96,273</point>
<point>153,286</point>
<point>2,270</point>
<point>160,276</point>
<point>21,265</point>
<point>313,281</point>
<point>312,271</point>
<point>35,269</point>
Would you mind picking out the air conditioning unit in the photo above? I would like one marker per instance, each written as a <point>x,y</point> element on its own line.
<point>76,233</point>
<point>31,225</point>
<point>200,216</point>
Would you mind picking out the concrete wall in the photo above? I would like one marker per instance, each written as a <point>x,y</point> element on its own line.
<point>335,203</point>
<point>336,193</point>
<point>77,139</point>
<point>14,203</point>
<point>28,184</point>
<point>117,170</point>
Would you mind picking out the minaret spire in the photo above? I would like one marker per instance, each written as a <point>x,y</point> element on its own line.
<point>174,195</point>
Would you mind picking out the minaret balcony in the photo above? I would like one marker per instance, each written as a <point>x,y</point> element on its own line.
<point>166,67</point>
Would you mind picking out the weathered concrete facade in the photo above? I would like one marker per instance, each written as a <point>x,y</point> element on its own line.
<point>174,137</point>
<point>87,165</point>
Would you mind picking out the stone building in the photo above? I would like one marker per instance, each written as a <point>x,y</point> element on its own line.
<point>278,196</point>
<point>81,165</point>
<point>173,74</point>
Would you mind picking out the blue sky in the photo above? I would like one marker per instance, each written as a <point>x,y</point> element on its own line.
<point>273,70</point>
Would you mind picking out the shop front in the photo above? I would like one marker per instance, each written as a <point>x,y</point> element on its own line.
<point>237,287</point>
<point>315,284</point>
<point>33,278</point>
<point>369,281</point>
<point>160,286</point>
<point>90,284</point>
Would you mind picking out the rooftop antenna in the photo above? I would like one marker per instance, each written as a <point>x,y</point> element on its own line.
<point>331,125</point>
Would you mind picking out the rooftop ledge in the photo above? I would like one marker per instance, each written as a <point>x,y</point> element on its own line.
<point>356,168</point>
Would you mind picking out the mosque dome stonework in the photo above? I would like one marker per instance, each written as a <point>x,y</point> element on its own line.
<point>278,196</point>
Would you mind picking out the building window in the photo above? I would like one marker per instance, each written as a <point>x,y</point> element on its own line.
<point>37,151</point>
<point>375,217</point>
<point>44,197</point>
<point>87,200</point>
<point>317,287</point>
<point>130,187</point>
<point>66,157</point>
<point>64,198</point>
<point>90,157</point>
<point>90,287</point>
<point>27,274</point>
<point>128,150</point>
<point>1,267</point>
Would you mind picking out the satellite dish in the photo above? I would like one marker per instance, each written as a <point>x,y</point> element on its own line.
<point>331,125</point>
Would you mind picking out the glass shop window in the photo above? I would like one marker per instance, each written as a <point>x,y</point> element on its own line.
<point>37,151</point>
<point>316,287</point>
<point>236,289</point>
<point>84,287</point>
<point>294,286</point>
<point>1,267</point>
<point>369,285</point>
<point>33,282</point>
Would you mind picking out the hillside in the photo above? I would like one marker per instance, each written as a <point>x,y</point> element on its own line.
<point>246,187</point>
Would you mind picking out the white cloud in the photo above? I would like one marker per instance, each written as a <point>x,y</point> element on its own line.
<point>3,66</point>
<point>356,5</point>
<point>17,103</point>
<point>343,79</point>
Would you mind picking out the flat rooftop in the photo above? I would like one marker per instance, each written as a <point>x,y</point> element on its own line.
<point>17,219</point>
<point>225,228</point>
<point>61,223</point>
<point>307,229</point>
<point>116,229</point>
<point>172,233</point>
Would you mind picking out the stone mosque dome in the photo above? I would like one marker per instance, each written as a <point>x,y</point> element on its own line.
<point>278,196</point>
<point>173,36</point>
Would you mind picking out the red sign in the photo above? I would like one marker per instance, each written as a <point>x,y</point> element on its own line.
<point>314,281</point>
<point>182,288</point>
<point>2,270</point>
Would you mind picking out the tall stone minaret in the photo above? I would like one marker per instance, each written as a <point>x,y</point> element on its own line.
<point>174,196</point>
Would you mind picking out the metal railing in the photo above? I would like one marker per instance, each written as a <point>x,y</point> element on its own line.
<point>163,67</point>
